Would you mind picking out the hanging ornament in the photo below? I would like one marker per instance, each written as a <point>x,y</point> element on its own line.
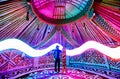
<point>27,16</point>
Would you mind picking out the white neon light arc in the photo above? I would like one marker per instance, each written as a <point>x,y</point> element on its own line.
<point>23,47</point>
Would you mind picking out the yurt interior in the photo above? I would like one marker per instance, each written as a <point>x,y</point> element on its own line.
<point>59,39</point>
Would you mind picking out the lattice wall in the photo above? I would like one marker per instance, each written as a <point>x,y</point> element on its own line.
<point>12,59</point>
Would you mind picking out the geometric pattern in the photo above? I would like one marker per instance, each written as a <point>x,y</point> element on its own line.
<point>90,56</point>
<point>12,59</point>
<point>70,74</point>
<point>114,63</point>
<point>46,59</point>
<point>108,29</point>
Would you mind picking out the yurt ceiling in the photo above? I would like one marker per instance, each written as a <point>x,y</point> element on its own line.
<point>100,22</point>
<point>72,24</point>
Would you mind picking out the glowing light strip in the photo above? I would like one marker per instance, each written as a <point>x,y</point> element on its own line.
<point>23,47</point>
<point>111,52</point>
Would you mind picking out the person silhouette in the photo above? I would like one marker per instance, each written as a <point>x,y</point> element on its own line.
<point>57,52</point>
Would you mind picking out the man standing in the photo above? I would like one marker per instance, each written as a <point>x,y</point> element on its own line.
<point>57,52</point>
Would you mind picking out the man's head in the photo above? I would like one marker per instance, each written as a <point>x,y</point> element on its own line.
<point>57,47</point>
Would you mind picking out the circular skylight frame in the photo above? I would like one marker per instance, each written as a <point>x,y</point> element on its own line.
<point>84,8</point>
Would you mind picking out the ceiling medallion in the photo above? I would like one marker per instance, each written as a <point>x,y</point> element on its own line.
<point>60,12</point>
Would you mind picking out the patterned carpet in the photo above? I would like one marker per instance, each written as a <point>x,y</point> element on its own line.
<point>70,74</point>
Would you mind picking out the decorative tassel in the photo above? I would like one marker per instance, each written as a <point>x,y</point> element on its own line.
<point>27,16</point>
